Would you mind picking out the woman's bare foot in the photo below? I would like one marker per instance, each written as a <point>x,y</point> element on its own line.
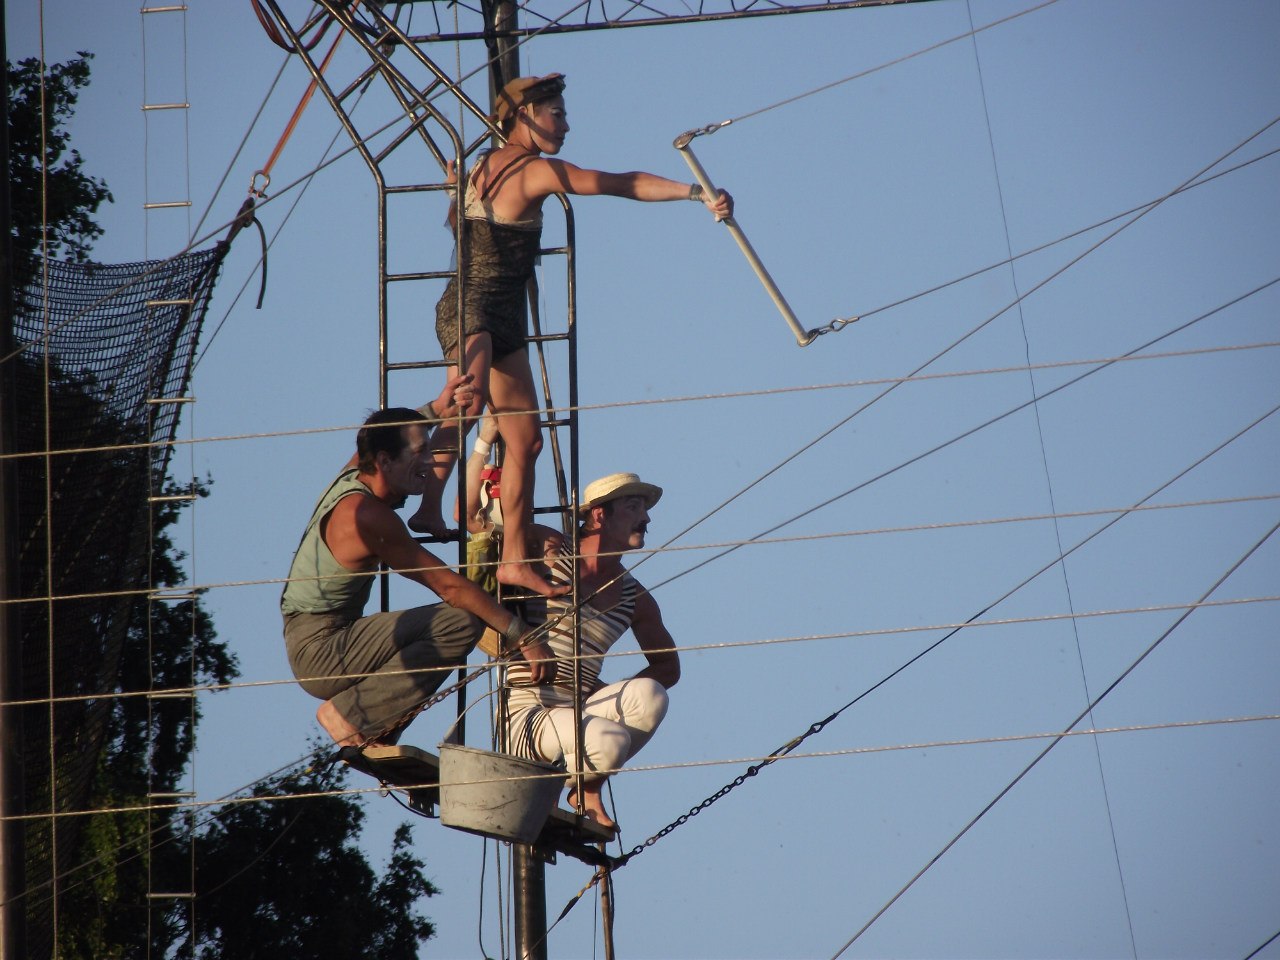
<point>429,521</point>
<point>337,726</point>
<point>592,805</point>
<point>520,574</point>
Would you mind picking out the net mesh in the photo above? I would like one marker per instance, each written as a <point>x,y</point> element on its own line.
<point>96,343</point>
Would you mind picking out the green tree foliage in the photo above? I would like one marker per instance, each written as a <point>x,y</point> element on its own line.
<point>256,900</point>
<point>49,185</point>
<point>274,878</point>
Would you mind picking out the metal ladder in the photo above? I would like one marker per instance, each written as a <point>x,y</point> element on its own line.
<point>167,224</point>
<point>417,82</point>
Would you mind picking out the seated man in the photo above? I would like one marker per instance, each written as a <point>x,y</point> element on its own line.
<point>375,672</point>
<point>618,719</point>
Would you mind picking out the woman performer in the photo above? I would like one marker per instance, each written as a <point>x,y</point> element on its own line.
<point>502,216</point>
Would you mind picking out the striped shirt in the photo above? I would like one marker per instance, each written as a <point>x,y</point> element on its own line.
<point>600,631</point>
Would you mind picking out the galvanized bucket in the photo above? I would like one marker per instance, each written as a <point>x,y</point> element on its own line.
<point>495,794</point>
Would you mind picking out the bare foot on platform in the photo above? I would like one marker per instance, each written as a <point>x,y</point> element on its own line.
<point>592,805</point>
<point>336,725</point>
<point>519,574</point>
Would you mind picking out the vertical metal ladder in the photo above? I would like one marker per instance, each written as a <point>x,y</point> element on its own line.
<point>167,225</point>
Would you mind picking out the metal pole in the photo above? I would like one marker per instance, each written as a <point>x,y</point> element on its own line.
<point>606,909</point>
<point>803,337</point>
<point>12,846</point>
<point>529,880</point>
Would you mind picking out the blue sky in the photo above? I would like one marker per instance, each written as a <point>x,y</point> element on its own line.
<point>1157,842</point>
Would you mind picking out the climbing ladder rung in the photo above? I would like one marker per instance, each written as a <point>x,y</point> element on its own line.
<point>165,106</point>
<point>424,275</point>
<point>546,337</point>
<point>418,187</point>
<point>166,205</point>
<point>419,364</point>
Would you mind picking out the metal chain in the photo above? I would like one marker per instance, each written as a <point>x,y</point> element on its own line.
<point>737,781</point>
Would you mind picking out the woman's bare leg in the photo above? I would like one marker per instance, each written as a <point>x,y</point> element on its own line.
<point>478,359</point>
<point>513,400</point>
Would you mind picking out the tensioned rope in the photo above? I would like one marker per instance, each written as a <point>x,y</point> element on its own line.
<point>717,646</point>
<point>1055,741</point>
<point>1048,480</point>
<point>817,727</point>
<point>689,398</point>
<point>790,747</point>
<point>973,430</point>
<point>955,343</point>
<point>760,761</point>
<point>713,127</point>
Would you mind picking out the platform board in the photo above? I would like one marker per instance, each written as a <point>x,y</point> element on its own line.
<point>414,770</point>
<point>418,773</point>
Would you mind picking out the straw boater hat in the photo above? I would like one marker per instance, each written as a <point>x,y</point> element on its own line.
<point>525,90</point>
<point>615,486</point>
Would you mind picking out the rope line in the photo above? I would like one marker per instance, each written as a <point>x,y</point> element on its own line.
<point>682,548</point>
<point>817,727</point>
<point>559,411</point>
<point>197,805</point>
<point>955,343</point>
<point>1055,741</point>
<point>715,646</point>
<point>712,128</point>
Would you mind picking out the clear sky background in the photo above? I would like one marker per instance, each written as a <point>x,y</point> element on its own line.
<point>1153,843</point>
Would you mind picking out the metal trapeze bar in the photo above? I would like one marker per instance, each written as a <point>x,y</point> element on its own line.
<point>803,337</point>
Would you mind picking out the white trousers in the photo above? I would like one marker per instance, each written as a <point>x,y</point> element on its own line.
<point>617,721</point>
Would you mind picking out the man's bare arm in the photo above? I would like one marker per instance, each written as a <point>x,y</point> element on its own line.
<point>652,636</point>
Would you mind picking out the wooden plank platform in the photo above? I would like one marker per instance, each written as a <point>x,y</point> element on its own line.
<point>409,768</point>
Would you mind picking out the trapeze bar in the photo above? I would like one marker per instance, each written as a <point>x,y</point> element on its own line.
<point>803,337</point>
<point>166,204</point>
<point>168,399</point>
<point>182,497</point>
<point>171,896</point>
<point>179,695</point>
<point>165,106</point>
<point>171,8</point>
<point>161,597</point>
<point>179,795</point>
<point>169,303</point>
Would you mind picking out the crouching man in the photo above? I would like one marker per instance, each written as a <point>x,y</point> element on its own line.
<point>375,672</point>
<point>618,719</point>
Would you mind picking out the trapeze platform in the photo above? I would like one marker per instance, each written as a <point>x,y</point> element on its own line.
<point>417,773</point>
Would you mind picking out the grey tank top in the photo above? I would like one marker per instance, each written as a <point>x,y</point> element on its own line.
<point>317,582</point>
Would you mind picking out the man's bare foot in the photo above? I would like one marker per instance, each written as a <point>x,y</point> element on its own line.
<point>518,574</point>
<point>592,806</point>
<point>336,725</point>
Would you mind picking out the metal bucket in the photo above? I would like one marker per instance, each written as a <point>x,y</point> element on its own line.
<point>495,794</point>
